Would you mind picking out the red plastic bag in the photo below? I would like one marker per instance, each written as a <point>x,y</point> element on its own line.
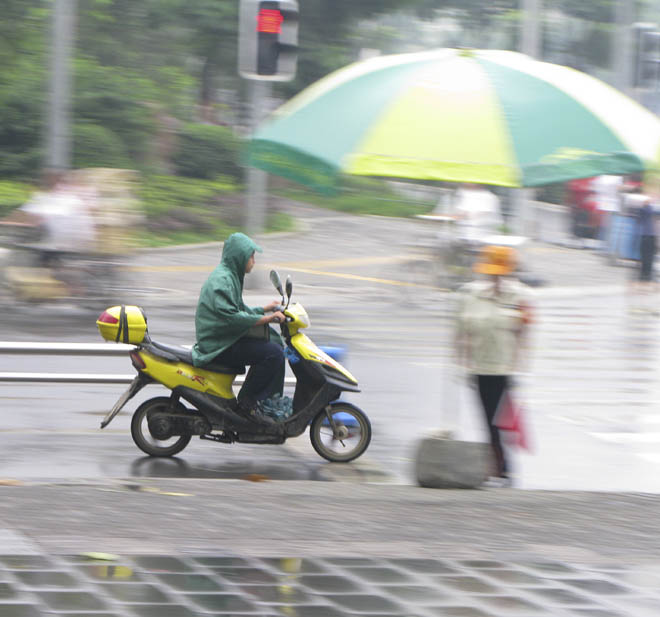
<point>509,417</point>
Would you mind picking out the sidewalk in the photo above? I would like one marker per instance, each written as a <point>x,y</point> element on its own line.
<point>189,547</point>
<point>588,271</point>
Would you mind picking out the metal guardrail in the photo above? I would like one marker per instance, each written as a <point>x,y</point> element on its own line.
<point>76,349</point>
<point>65,349</point>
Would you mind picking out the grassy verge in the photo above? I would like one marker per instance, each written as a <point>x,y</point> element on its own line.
<point>277,222</point>
<point>360,196</point>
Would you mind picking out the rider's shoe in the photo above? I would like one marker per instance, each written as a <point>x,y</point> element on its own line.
<point>277,407</point>
<point>254,414</point>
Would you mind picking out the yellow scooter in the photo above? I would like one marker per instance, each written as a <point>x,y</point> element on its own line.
<point>163,426</point>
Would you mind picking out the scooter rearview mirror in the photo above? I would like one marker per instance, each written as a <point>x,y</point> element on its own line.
<point>289,289</point>
<point>276,281</point>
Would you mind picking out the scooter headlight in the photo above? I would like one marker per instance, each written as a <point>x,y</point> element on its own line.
<point>299,315</point>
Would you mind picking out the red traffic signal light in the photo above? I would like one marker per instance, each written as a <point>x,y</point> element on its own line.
<point>268,39</point>
<point>269,21</point>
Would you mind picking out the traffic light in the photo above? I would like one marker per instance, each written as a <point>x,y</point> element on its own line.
<point>647,56</point>
<point>268,39</point>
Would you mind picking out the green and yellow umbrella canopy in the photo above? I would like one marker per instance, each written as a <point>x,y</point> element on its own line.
<point>484,116</point>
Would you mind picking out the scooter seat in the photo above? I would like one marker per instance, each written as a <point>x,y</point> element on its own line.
<point>215,367</point>
<point>182,353</point>
<point>185,355</point>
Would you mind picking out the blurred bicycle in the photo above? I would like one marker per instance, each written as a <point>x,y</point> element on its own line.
<point>444,259</point>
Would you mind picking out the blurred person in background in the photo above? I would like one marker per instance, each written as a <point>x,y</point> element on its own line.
<point>607,195</point>
<point>648,241</point>
<point>50,237</point>
<point>584,219</point>
<point>477,213</point>
<point>63,217</point>
<point>647,227</point>
<point>492,319</point>
<point>224,327</point>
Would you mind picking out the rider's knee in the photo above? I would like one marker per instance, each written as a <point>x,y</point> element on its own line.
<point>275,353</point>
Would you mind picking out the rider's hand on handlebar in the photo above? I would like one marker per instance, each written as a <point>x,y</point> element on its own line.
<point>271,306</point>
<point>277,317</point>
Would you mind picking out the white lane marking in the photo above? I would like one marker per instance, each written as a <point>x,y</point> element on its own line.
<point>57,431</point>
<point>628,438</point>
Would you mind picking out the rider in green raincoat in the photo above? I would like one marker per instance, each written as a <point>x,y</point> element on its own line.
<point>224,326</point>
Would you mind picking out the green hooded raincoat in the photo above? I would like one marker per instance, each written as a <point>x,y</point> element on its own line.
<point>222,317</point>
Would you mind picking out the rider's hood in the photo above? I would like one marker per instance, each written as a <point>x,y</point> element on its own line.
<point>237,251</point>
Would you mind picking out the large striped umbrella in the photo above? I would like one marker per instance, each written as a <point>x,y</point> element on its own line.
<point>483,116</point>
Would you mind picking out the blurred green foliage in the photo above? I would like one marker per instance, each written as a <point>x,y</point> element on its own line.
<point>186,210</point>
<point>21,126</point>
<point>205,151</point>
<point>13,195</point>
<point>162,193</point>
<point>23,40</point>
<point>98,146</point>
<point>361,196</point>
<point>117,100</point>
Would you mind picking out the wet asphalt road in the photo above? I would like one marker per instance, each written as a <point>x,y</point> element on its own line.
<point>590,392</point>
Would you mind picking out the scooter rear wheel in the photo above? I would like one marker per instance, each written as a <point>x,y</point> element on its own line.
<point>142,434</point>
<point>347,439</point>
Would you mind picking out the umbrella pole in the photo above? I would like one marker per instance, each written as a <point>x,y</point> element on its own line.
<point>522,223</point>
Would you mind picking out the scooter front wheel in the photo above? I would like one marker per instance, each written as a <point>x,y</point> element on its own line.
<point>142,432</point>
<point>342,434</point>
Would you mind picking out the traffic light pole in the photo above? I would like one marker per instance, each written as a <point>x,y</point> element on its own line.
<point>59,123</point>
<point>257,180</point>
<point>267,52</point>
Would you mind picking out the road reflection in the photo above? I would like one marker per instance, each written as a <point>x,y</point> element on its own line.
<point>254,471</point>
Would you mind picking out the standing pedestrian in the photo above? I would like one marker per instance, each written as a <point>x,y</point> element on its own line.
<point>647,239</point>
<point>584,219</point>
<point>607,189</point>
<point>491,325</point>
<point>647,229</point>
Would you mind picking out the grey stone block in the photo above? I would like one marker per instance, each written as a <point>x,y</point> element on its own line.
<point>443,462</point>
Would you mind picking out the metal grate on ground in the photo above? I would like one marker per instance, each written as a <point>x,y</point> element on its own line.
<point>187,586</point>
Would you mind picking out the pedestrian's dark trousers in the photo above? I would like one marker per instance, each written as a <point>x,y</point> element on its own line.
<point>491,389</point>
<point>647,255</point>
<point>266,361</point>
